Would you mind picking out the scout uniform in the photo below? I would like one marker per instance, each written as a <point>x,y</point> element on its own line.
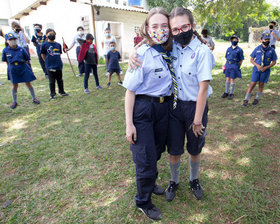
<point>200,62</point>
<point>233,56</point>
<point>262,56</point>
<point>38,40</point>
<point>18,69</point>
<point>151,84</point>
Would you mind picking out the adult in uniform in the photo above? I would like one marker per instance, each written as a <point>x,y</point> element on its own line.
<point>79,39</point>
<point>235,57</point>
<point>146,108</point>
<point>274,34</point>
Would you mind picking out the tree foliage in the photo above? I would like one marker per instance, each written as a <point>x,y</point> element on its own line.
<point>226,17</point>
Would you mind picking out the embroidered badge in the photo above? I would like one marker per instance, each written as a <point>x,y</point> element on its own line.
<point>193,55</point>
<point>159,70</point>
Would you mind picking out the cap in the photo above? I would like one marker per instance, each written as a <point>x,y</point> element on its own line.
<point>9,36</point>
<point>234,36</point>
<point>265,36</point>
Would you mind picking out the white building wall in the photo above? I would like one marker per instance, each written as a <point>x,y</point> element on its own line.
<point>65,16</point>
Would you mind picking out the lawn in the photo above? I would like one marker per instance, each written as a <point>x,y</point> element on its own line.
<point>67,161</point>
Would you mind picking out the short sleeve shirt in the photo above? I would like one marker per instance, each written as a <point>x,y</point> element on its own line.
<point>264,56</point>
<point>52,52</point>
<point>107,44</point>
<point>38,40</point>
<point>12,55</point>
<point>113,58</point>
<point>234,54</point>
<point>272,39</point>
<point>153,78</point>
<point>192,64</point>
<point>79,40</point>
<point>20,39</point>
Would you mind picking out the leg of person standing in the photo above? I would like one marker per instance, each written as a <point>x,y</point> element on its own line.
<point>52,84</point>
<point>94,69</point>
<point>87,72</point>
<point>14,96</point>
<point>60,84</point>
<point>81,64</point>
<point>43,66</point>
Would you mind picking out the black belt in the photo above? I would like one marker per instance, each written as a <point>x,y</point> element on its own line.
<point>161,99</point>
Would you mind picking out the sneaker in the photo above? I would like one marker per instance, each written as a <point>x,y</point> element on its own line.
<point>255,102</point>
<point>152,213</point>
<point>87,91</point>
<point>230,96</point>
<point>36,101</point>
<point>99,87</point>
<point>245,103</point>
<point>64,94</point>
<point>13,105</point>
<point>121,72</point>
<point>196,189</point>
<point>79,75</point>
<point>108,73</point>
<point>170,192</point>
<point>158,190</point>
<point>120,83</point>
<point>225,95</point>
<point>108,84</point>
<point>52,98</point>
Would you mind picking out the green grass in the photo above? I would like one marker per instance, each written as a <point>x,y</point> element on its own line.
<point>67,161</point>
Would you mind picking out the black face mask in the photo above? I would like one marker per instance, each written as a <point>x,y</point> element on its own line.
<point>37,30</point>
<point>266,43</point>
<point>270,26</point>
<point>18,30</point>
<point>234,43</point>
<point>51,37</point>
<point>184,38</point>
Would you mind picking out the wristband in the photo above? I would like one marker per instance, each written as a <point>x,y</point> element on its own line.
<point>197,124</point>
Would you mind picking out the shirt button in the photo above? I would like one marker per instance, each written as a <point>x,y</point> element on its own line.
<point>180,89</point>
<point>182,53</point>
<point>190,73</point>
<point>178,77</point>
<point>180,65</point>
<point>159,76</point>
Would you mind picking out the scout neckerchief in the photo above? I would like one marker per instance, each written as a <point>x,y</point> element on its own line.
<point>168,59</point>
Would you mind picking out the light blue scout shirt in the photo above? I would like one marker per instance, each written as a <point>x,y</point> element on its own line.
<point>192,64</point>
<point>272,39</point>
<point>79,40</point>
<point>153,78</point>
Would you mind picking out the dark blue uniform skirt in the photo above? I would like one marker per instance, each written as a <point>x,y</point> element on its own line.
<point>20,72</point>
<point>151,122</point>
<point>232,71</point>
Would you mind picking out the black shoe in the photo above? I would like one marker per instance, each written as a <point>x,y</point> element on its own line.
<point>36,101</point>
<point>230,96</point>
<point>52,98</point>
<point>196,189</point>
<point>152,213</point>
<point>13,105</point>
<point>158,190</point>
<point>170,192</point>
<point>225,95</point>
<point>255,102</point>
<point>245,103</point>
<point>64,94</point>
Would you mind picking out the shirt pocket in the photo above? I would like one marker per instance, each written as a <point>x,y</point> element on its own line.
<point>159,73</point>
<point>189,76</point>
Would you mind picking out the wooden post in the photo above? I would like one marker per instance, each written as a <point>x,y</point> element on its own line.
<point>93,22</point>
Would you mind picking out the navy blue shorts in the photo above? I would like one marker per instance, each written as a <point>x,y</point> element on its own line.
<point>260,76</point>
<point>180,125</point>
<point>112,70</point>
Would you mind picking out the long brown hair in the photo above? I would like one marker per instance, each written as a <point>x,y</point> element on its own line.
<point>143,30</point>
<point>180,11</point>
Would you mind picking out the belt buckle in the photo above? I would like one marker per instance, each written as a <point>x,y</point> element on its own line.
<point>229,62</point>
<point>161,99</point>
<point>16,63</point>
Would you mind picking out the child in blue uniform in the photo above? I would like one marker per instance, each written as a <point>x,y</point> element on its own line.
<point>146,108</point>
<point>113,58</point>
<point>18,69</point>
<point>263,58</point>
<point>235,57</point>
<point>50,52</point>
<point>37,39</point>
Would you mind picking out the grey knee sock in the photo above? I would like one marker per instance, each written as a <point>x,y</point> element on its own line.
<point>194,168</point>
<point>258,96</point>
<point>174,170</point>
<point>232,88</point>
<point>32,93</point>
<point>14,95</point>
<point>247,97</point>
<point>227,87</point>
